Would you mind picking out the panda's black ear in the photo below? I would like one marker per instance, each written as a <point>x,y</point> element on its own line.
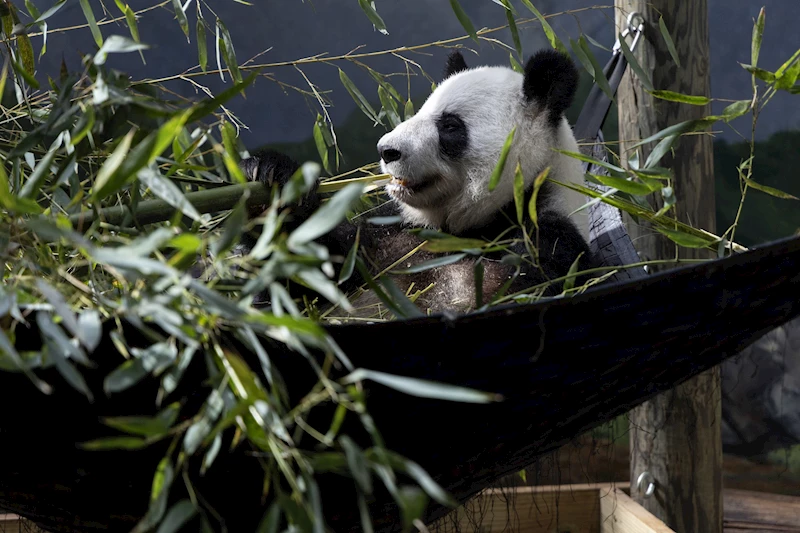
<point>455,64</point>
<point>551,79</point>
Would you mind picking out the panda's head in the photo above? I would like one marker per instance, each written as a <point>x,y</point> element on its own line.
<point>441,159</point>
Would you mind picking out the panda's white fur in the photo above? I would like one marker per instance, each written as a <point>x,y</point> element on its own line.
<point>491,102</point>
<point>441,160</point>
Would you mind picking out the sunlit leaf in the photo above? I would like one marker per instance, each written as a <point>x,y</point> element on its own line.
<point>501,162</point>
<point>368,7</point>
<point>682,98</point>
<point>422,388</point>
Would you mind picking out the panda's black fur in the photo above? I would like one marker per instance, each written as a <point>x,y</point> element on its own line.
<point>560,242</point>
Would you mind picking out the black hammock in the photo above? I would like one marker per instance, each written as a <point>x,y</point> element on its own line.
<point>563,367</point>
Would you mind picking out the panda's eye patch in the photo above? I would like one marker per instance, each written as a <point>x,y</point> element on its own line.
<point>453,136</point>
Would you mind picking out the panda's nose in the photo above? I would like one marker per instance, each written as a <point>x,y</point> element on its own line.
<point>390,154</point>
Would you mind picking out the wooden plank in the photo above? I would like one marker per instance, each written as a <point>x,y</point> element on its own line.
<point>9,523</point>
<point>587,508</point>
<point>675,436</point>
<point>565,509</point>
<point>761,511</point>
<point>606,508</point>
<point>623,515</point>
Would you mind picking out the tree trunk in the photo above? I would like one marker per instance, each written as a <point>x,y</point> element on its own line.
<point>676,436</point>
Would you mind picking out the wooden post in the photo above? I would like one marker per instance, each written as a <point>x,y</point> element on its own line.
<point>676,436</point>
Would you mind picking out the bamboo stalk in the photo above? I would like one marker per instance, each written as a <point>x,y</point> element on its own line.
<point>152,211</point>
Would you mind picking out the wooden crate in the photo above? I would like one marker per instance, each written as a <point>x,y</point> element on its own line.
<point>596,508</point>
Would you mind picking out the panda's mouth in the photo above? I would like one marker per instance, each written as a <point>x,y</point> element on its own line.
<point>403,186</point>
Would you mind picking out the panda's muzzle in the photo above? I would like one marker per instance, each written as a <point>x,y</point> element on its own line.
<point>406,186</point>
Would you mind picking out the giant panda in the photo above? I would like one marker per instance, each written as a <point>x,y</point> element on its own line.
<point>440,161</point>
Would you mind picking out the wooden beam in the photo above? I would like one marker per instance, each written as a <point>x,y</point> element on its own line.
<point>675,436</point>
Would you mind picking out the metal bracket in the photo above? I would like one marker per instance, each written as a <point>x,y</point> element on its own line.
<point>646,479</point>
<point>636,26</point>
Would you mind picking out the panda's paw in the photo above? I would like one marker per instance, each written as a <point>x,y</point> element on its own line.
<point>269,167</point>
<point>275,168</point>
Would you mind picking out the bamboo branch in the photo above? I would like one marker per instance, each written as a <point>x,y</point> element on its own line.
<point>152,211</point>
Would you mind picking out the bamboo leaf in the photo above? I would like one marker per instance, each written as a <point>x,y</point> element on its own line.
<point>501,162</point>
<point>208,106</point>
<point>519,192</point>
<point>453,244</point>
<point>760,73</point>
<point>389,107</point>
<point>643,78</point>
<point>772,191</point>
<point>89,14</point>
<point>326,217</point>
<point>685,239</point>
<point>202,45</point>
<point>668,39</point>
<point>736,109</point>
<point>350,261</point>
<point>597,70</point>
<point>400,300</point>
<point>229,52</point>
<point>26,53</point>
<point>512,26</point>
<point>181,16</point>
<point>319,141</point>
<point>537,185</point>
<point>569,283</point>
<point>165,189</point>
<point>177,516</point>
<point>462,17</point>
<point>115,443</point>
<point>679,129</point>
<point>588,159</point>
<point>39,175</point>
<point>422,388</point>
<point>369,8</point>
<point>682,98</point>
<point>432,263</point>
<point>758,36</point>
<point>515,64</point>
<point>552,38</point>
<point>624,185</point>
<point>117,44</point>
<point>664,146</point>
<point>787,74</point>
<point>359,99</point>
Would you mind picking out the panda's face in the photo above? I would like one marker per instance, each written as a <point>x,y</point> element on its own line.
<point>442,158</point>
<point>454,138</point>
